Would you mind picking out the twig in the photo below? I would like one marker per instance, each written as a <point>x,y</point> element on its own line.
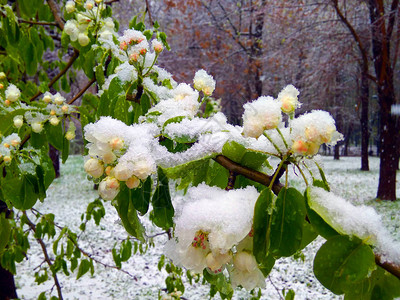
<point>277,290</point>
<point>54,10</point>
<point>158,234</point>
<point>231,181</point>
<point>32,226</point>
<point>148,10</point>
<point>248,173</point>
<point>90,256</point>
<point>390,267</point>
<point>37,22</point>
<point>62,72</point>
<point>82,90</point>
<point>110,2</point>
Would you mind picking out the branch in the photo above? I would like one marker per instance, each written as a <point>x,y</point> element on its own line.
<point>82,91</point>
<point>62,72</point>
<point>231,181</point>
<point>149,12</point>
<point>248,173</point>
<point>390,267</point>
<point>54,10</point>
<point>37,22</point>
<point>110,2</point>
<point>32,226</point>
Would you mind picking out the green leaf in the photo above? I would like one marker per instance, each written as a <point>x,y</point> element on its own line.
<point>5,230</point>
<point>126,250</point>
<point>140,197</point>
<point>247,158</point>
<point>320,226</point>
<point>127,212</point>
<point>119,108</point>
<point>219,282</point>
<point>261,225</point>
<point>54,135</point>
<point>286,229</point>
<point>234,151</point>
<point>65,150</point>
<point>100,75</point>
<point>342,262</point>
<point>163,211</point>
<point>83,268</point>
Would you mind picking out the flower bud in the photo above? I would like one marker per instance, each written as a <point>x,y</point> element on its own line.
<point>123,46</point>
<point>12,93</point>
<point>54,120</point>
<point>157,46</point>
<point>58,99</point>
<point>143,51</point>
<point>133,182</point>
<point>83,39</point>
<point>37,127</point>
<point>47,98</point>
<point>18,121</point>
<point>98,1</point>
<point>116,143</point>
<point>94,167</point>
<point>7,102</point>
<point>65,108</point>
<point>1,86</point>
<point>142,169</point>
<point>70,6</point>
<point>122,172</point>
<point>15,143</point>
<point>6,145</point>
<point>89,5</point>
<point>244,262</point>
<point>109,157</point>
<point>7,159</point>
<point>109,170</point>
<point>53,112</point>
<point>133,58</point>
<point>300,147</point>
<point>109,188</point>
<point>70,135</point>
<point>2,75</point>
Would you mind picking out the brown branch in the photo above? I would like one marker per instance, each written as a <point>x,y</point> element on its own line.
<point>55,11</point>
<point>82,91</point>
<point>32,226</point>
<point>390,267</point>
<point>248,173</point>
<point>62,72</point>
<point>110,2</point>
<point>148,10</point>
<point>37,22</point>
<point>231,181</point>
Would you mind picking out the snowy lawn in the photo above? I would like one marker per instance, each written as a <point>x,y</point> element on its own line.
<point>69,195</point>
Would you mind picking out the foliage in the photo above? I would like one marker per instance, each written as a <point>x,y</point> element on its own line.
<point>146,136</point>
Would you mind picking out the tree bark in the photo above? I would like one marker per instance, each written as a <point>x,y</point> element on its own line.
<point>381,33</point>
<point>364,99</point>
<point>7,284</point>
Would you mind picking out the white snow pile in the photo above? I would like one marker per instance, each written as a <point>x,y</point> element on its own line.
<point>361,221</point>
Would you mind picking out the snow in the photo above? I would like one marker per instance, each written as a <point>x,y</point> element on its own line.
<point>69,195</point>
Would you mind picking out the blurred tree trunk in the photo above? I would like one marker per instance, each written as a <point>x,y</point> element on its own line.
<point>364,100</point>
<point>7,284</point>
<point>382,24</point>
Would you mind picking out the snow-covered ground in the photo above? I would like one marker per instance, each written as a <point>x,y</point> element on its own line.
<point>69,195</point>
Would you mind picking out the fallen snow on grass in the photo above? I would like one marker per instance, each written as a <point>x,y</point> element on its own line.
<point>69,195</point>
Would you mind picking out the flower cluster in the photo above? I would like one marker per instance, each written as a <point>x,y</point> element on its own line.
<point>7,146</point>
<point>303,135</point>
<point>210,236</point>
<point>204,82</point>
<point>118,152</point>
<point>87,17</point>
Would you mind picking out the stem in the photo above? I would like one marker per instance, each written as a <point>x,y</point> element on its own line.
<point>302,173</point>
<point>37,22</point>
<point>276,173</point>
<point>32,226</point>
<point>149,12</point>
<point>231,181</point>
<point>154,61</point>
<point>82,91</point>
<point>62,72</point>
<point>54,10</point>
<point>283,139</point>
<point>248,173</point>
<point>272,142</point>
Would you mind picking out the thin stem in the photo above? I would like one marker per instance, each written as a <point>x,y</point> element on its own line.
<point>231,181</point>
<point>62,72</point>
<point>37,22</point>
<point>272,142</point>
<point>82,91</point>
<point>277,172</point>
<point>283,139</point>
<point>148,10</point>
<point>302,173</point>
<point>32,226</point>
<point>154,61</point>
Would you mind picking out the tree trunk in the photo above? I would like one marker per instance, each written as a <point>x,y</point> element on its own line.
<point>381,31</point>
<point>364,99</point>
<point>7,284</point>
